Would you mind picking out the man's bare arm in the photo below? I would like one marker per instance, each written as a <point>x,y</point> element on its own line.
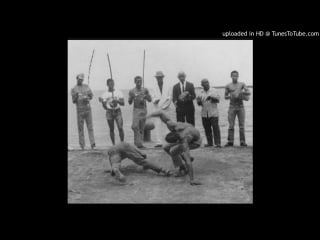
<point>186,155</point>
<point>227,94</point>
<point>121,101</point>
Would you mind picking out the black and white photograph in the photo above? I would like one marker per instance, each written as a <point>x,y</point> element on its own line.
<point>160,121</point>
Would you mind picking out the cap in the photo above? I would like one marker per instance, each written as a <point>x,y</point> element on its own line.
<point>204,80</point>
<point>80,75</point>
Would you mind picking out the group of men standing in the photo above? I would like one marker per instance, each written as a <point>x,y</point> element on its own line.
<point>181,95</point>
<point>182,136</point>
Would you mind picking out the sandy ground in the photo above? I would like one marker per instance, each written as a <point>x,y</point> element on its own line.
<point>226,175</point>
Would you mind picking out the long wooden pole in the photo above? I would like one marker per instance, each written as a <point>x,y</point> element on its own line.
<point>90,66</point>
<point>144,59</point>
<point>110,70</point>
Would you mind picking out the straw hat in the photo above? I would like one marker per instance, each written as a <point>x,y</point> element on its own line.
<point>159,74</point>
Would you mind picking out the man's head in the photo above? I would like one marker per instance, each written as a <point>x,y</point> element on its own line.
<point>205,84</point>
<point>172,137</point>
<point>80,78</point>
<point>159,76</point>
<point>234,76</point>
<point>182,76</point>
<point>110,83</point>
<point>138,81</point>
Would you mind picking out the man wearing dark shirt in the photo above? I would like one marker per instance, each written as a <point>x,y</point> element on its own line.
<point>236,92</point>
<point>138,97</point>
<point>81,95</point>
<point>183,95</point>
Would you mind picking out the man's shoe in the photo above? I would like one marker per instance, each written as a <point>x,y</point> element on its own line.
<point>93,146</point>
<point>218,146</point>
<point>158,146</point>
<point>141,146</point>
<point>82,148</point>
<point>243,145</point>
<point>208,145</point>
<point>229,145</point>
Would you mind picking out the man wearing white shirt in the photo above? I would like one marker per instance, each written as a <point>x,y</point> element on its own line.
<point>209,100</point>
<point>161,100</point>
<point>111,101</point>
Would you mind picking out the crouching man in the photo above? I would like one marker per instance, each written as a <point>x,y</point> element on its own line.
<point>124,150</point>
<point>182,138</point>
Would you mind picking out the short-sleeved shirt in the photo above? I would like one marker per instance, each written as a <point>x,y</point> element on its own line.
<point>83,91</point>
<point>235,89</point>
<point>107,97</point>
<point>139,102</point>
<point>209,108</point>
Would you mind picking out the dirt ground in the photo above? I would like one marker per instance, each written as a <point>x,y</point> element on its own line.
<point>226,175</point>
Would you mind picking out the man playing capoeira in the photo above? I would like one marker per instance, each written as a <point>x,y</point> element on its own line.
<point>182,138</point>
<point>124,150</point>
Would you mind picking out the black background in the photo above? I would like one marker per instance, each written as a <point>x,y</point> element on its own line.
<point>285,74</point>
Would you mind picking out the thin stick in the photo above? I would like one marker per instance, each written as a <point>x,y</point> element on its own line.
<point>144,59</point>
<point>110,70</point>
<point>109,65</point>
<point>90,66</point>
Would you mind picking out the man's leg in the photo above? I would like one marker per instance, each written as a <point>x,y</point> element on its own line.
<point>190,116</point>
<point>135,128</point>
<point>119,121</point>
<point>180,116</point>
<point>115,161</point>
<point>80,120</point>
<point>231,119</point>
<point>175,152</point>
<point>216,130</point>
<point>207,129</point>
<point>157,131</point>
<point>111,128</point>
<point>241,118</point>
<point>90,128</point>
<point>139,158</point>
<point>142,123</point>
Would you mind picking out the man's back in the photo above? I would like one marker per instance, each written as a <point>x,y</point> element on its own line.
<point>186,130</point>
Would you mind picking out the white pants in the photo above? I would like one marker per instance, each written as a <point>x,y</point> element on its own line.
<point>160,130</point>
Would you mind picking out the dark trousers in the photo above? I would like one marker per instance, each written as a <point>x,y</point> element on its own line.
<point>236,111</point>
<point>212,124</point>
<point>186,116</point>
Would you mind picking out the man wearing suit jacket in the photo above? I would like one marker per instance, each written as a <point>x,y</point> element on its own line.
<point>182,96</point>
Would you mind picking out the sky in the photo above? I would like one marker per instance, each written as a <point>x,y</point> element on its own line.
<point>211,59</point>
